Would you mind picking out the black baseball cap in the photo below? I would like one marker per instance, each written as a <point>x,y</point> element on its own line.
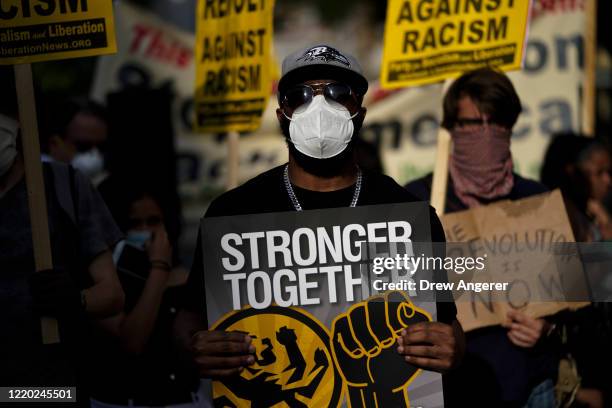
<point>322,62</point>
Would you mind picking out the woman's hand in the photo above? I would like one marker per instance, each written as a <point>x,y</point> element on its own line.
<point>159,248</point>
<point>525,331</point>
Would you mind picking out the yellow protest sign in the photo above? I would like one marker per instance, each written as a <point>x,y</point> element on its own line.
<point>233,64</point>
<point>43,30</point>
<point>430,40</point>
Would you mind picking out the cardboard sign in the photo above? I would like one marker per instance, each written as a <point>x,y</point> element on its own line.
<point>233,64</point>
<point>300,284</point>
<point>428,41</point>
<point>38,30</point>
<point>522,241</point>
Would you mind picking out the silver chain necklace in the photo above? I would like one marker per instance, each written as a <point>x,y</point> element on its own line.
<point>296,203</point>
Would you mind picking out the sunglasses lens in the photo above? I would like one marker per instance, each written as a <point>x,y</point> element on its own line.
<point>298,96</point>
<point>469,122</point>
<point>340,93</point>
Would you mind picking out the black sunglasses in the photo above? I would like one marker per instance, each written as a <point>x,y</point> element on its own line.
<point>463,122</point>
<point>338,92</point>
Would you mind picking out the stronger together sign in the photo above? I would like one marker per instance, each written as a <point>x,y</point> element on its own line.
<point>300,284</point>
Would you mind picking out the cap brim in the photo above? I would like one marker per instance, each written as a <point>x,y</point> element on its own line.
<point>323,71</point>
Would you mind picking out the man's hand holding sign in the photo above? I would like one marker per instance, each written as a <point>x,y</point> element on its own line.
<point>433,346</point>
<point>247,267</point>
<point>220,354</point>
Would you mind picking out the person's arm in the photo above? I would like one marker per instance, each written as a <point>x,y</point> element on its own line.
<point>437,346</point>
<point>214,353</point>
<point>98,234</point>
<point>137,325</point>
<point>55,293</point>
<point>105,298</point>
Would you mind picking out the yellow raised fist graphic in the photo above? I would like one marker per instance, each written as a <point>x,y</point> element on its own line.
<point>363,343</point>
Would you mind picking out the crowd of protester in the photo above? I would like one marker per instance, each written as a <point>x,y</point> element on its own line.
<point>130,314</point>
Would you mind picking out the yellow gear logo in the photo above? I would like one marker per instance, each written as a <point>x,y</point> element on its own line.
<point>293,361</point>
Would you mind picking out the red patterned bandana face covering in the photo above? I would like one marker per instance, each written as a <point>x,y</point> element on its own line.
<point>481,163</point>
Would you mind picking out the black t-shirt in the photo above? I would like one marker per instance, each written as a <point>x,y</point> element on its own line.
<point>267,193</point>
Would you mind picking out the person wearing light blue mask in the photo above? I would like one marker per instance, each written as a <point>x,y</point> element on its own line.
<point>143,369</point>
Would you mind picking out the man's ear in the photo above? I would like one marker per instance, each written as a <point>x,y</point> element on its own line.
<point>360,116</point>
<point>58,149</point>
<point>283,122</point>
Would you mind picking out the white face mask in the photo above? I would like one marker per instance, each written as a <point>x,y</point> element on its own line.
<point>321,130</point>
<point>90,163</point>
<point>8,143</point>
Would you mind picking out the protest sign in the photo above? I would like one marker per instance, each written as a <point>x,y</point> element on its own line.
<point>429,41</point>
<point>405,123</point>
<point>523,243</point>
<point>300,284</point>
<point>152,54</point>
<point>233,60</point>
<point>32,31</point>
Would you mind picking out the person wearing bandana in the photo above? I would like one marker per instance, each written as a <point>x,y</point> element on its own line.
<point>511,365</point>
<point>320,113</point>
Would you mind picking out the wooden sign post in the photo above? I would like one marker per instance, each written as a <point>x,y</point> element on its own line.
<point>439,184</point>
<point>233,159</point>
<point>35,185</point>
<point>30,37</point>
<point>589,91</point>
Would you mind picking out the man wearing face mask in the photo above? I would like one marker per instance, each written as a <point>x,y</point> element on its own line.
<point>320,114</point>
<point>480,110</point>
<point>82,285</point>
<point>77,131</point>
